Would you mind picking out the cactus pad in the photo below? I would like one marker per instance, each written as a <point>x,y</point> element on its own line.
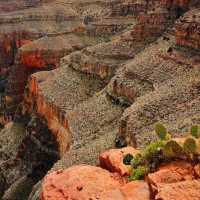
<point>161,131</point>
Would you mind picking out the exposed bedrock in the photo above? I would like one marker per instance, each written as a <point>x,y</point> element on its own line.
<point>166,103</point>
<point>85,182</point>
<point>8,6</point>
<point>39,55</point>
<point>86,89</point>
<point>188,29</point>
<point>29,37</point>
<point>45,89</point>
<point>161,82</point>
<point>45,95</point>
<point>104,59</point>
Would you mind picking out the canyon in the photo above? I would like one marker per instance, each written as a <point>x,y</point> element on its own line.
<point>80,77</point>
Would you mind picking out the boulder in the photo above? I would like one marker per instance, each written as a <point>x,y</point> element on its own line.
<point>112,160</point>
<point>172,172</point>
<point>88,182</point>
<point>180,191</point>
<point>79,182</point>
<point>136,190</point>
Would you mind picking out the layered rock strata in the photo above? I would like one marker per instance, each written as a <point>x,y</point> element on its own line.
<point>187,30</point>
<point>85,96</point>
<point>158,95</point>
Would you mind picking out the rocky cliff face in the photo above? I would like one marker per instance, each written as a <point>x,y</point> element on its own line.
<point>96,74</point>
<point>187,30</point>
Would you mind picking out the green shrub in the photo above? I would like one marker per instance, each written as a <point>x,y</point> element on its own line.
<point>195,132</point>
<point>127,159</point>
<point>137,160</point>
<point>152,150</point>
<point>139,173</point>
<point>165,149</point>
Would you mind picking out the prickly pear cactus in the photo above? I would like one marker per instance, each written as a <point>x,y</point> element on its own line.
<point>161,131</point>
<point>164,150</point>
<point>190,146</point>
<point>172,149</point>
<point>195,131</point>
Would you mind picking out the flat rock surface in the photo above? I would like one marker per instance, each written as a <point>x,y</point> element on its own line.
<point>182,190</point>
<point>173,172</point>
<point>78,182</point>
<point>87,182</point>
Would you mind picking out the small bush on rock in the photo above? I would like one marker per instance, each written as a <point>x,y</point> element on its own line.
<point>137,160</point>
<point>139,173</point>
<point>195,131</point>
<point>127,159</point>
<point>163,150</point>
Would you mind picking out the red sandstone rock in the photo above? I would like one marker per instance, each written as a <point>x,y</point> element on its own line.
<point>197,170</point>
<point>88,182</point>
<point>112,160</point>
<point>43,52</point>
<point>136,190</point>
<point>79,182</point>
<point>184,190</point>
<point>171,173</point>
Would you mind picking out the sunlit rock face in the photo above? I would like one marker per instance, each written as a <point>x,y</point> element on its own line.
<point>39,55</point>
<point>85,182</point>
<point>56,119</point>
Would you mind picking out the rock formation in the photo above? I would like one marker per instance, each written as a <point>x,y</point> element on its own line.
<point>79,77</point>
<point>175,180</point>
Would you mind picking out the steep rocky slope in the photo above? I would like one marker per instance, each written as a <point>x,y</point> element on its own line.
<point>78,77</point>
<point>174,87</point>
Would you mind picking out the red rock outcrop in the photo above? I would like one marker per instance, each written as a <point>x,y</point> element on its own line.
<point>79,182</point>
<point>136,190</point>
<point>87,182</point>
<point>56,119</point>
<point>9,43</point>
<point>112,160</point>
<point>171,173</point>
<point>172,181</point>
<point>180,191</point>
<point>38,55</point>
<point>43,52</point>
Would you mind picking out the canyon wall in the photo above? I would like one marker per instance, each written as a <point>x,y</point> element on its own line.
<point>98,74</point>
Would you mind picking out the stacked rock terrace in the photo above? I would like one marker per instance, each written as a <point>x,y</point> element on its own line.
<point>108,68</point>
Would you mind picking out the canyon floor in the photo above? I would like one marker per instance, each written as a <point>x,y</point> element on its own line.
<point>79,77</point>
